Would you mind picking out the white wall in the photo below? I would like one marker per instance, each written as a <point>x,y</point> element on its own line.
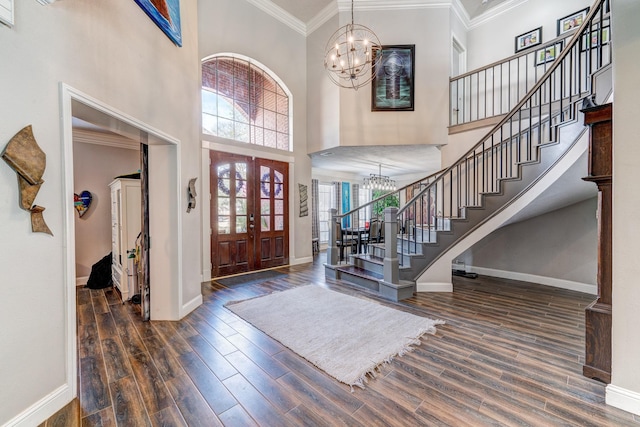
<point>560,247</point>
<point>624,390</point>
<point>95,167</point>
<point>429,30</point>
<point>238,27</point>
<point>111,51</point>
<point>495,39</point>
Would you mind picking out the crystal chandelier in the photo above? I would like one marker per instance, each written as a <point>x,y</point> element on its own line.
<point>379,182</point>
<point>350,53</point>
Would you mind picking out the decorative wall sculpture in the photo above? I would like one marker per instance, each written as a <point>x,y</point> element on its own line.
<point>304,209</point>
<point>27,159</point>
<point>191,194</point>
<point>82,202</point>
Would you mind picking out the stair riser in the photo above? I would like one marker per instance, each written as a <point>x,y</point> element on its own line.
<point>368,265</point>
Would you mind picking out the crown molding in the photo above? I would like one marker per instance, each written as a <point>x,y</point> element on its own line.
<point>325,15</point>
<point>281,15</point>
<point>377,5</point>
<point>372,5</point>
<point>495,12</point>
<point>103,138</point>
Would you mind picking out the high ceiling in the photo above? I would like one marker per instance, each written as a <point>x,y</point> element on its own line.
<point>305,10</point>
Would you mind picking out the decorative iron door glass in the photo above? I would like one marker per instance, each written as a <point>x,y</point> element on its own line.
<point>392,86</point>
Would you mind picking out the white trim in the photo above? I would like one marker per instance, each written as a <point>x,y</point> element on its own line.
<point>281,15</point>
<point>325,15</point>
<point>533,278</point>
<point>494,12</point>
<point>44,408</point>
<point>190,306</point>
<point>461,13</point>
<point>461,50</point>
<point>103,138</point>
<point>245,149</point>
<point>81,281</point>
<point>376,5</point>
<point>434,287</point>
<point>7,14</point>
<point>298,261</point>
<point>624,399</point>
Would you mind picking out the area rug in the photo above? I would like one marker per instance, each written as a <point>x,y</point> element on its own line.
<point>345,336</point>
<point>250,278</point>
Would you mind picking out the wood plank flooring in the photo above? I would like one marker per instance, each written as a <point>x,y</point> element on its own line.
<point>510,353</point>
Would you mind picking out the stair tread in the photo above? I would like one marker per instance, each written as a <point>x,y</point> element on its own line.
<point>360,272</point>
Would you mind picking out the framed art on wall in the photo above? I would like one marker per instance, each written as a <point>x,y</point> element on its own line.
<point>393,84</point>
<point>166,15</point>
<point>547,54</point>
<point>529,39</point>
<point>572,21</point>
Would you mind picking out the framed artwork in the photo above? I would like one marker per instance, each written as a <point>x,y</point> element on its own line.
<point>596,38</point>
<point>547,54</point>
<point>166,15</point>
<point>529,39</point>
<point>572,21</point>
<point>346,203</point>
<point>393,85</point>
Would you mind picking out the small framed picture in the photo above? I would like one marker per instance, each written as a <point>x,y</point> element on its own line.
<point>529,39</point>
<point>572,21</point>
<point>547,54</point>
<point>596,38</point>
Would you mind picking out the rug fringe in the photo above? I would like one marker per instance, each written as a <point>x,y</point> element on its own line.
<point>409,347</point>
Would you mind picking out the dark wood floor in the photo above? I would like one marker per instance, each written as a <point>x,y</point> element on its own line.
<point>510,353</point>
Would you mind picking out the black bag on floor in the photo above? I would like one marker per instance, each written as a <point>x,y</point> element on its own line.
<point>100,276</point>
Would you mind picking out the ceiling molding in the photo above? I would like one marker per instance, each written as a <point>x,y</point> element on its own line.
<point>373,5</point>
<point>281,15</point>
<point>325,15</point>
<point>495,12</point>
<point>461,13</point>
<point>102,138</point>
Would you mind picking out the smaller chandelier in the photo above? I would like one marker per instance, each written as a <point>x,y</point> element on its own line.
<point>350,53</point>
<point>379,182</point>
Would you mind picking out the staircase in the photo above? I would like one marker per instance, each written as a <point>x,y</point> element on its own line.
<point>445,213</point>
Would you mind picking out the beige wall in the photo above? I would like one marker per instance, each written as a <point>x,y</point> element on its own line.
<point>95,167</point>
<point>111,51</point>
<point>625,387</point>
<point>238,27</point>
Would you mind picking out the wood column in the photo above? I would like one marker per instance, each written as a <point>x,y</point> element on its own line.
<point>598,315</point>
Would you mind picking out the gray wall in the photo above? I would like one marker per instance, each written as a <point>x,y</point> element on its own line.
<point>558,245</point>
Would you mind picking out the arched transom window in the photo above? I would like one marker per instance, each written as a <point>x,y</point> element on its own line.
<point>244,101</point>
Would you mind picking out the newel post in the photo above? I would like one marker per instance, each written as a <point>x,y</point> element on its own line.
<point>390,264</point>
<point>332,249</point>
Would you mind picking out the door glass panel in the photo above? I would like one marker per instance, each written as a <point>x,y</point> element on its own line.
<point>241,171</point>
<point>241,188</point>
<point>241,206</point>
<point>279,222</point>
<point>241,224</point>
<point>279,207</point>
<point>278,185</point>
<point>264,223</point>
<point>224,225</point>
<point>265,174</point>
<point>265,207</point>
<point>223,206</point>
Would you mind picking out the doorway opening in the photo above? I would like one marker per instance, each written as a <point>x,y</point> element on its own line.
<point>249,213</point>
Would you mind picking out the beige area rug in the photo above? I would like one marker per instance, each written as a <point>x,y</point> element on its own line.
<point>345,336</point>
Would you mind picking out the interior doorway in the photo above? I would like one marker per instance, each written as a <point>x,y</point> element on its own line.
<point>249,213</point>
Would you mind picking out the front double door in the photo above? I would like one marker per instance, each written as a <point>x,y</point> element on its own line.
<point>249,213</point>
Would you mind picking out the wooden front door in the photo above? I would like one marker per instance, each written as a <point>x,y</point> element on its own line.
<point>249,213</point>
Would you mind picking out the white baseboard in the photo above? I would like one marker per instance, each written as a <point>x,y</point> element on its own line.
<point>190,306</point>
<point>542,280</point>
<point>298,261</point>
<point>43,409</point>
<point>206,276</point>
<point>81,281</point>
<point>434,287</point>
<point>624,399</point>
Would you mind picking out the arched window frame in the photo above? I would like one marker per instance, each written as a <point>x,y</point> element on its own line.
<point>253,63</point>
